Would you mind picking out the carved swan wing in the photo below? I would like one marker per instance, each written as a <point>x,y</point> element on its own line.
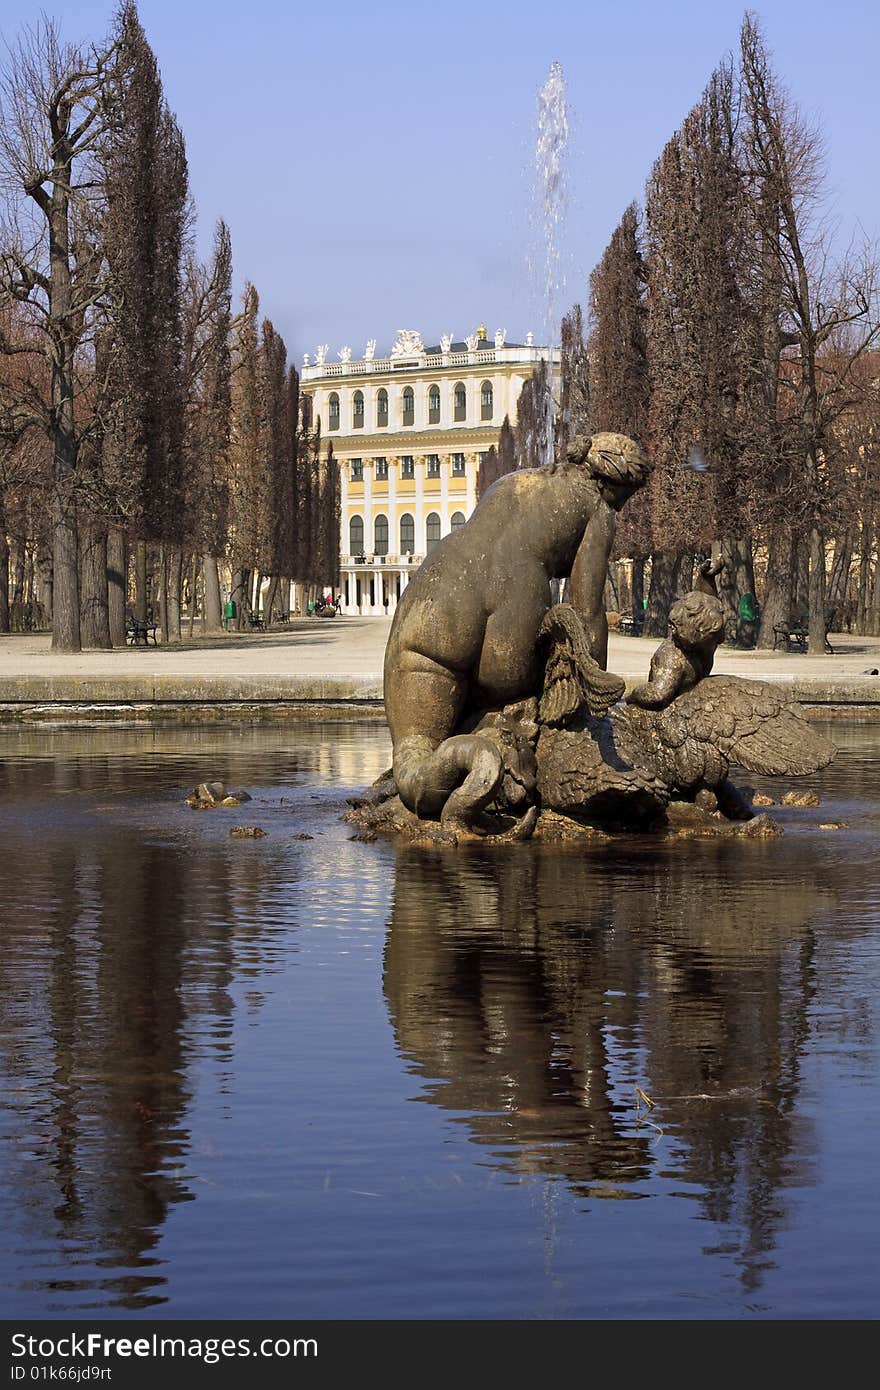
<point>573,681</point>
<point>749,723</point>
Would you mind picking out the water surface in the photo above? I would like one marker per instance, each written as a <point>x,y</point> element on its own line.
<point>310,1077</point>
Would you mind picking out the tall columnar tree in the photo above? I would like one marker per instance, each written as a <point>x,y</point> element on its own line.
<point>145,229</point>
<point>500,459</point>
<point>207,384</point>
<point>574,415</point>
<point>246,479</point>
<point>619,374</point>
<point>277,526</point>
<point>534,421</point>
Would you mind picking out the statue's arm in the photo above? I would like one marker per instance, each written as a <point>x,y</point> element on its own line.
<point>587,583</point>
<point>664,681</point>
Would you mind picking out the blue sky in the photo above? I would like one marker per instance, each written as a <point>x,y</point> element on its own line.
<point>374,161</point>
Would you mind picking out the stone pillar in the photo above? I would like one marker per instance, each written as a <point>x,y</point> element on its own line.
<point>369,534</point>
<point>445,470</point>
<point>419,509</point>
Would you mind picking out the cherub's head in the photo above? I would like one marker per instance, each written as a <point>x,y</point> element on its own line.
<point>615,461</point>
<point>697,622</point>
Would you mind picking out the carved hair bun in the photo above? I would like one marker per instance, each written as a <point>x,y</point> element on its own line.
<point>618,459</point>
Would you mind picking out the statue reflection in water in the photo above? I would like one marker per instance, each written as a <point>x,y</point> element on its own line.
<point>538,991</point>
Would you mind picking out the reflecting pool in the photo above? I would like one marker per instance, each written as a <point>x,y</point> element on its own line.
<point>302,1076</point>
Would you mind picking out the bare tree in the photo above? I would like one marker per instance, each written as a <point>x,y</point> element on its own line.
<point>819,301</point>
<point>52,120</point>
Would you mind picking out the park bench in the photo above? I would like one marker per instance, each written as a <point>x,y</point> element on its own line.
<point>795,637</point>
<point>136,631</point>
<point>256,621</point>
<point>629,626</point>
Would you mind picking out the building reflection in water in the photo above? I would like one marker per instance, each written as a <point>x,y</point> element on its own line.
<point>535,992</point>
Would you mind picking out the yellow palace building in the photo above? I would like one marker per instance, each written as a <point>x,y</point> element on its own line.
<point>409,431</point>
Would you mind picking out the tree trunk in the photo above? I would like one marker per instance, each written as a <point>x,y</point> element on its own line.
<point>872,627</point>
<point>838,581</point>
<point>173,574</point>
<point>779,588</point>
<point>160,590</point>
<point>117,568</point>
<point>94,614</point>
<point>28,589</point>
<point>737,579</point>
<point>816,643</point>
<point>238,592</point>
<point>638,591</point>
<point>270,599</point>
<point>4,579</point>
<point>140,581</point>
<point>65,609</point>
<point>193,592</point>
<point>65,577</point>
<point>213,612</point>
<point>665,569</point>
<point>44,583</point>
<point>16,550</point>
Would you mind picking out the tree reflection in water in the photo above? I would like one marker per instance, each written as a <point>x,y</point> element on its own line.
<point>119,950</point>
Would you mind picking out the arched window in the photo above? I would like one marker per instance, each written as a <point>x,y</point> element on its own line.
<point>432,530</point>
<point>486,401</point>
<point>382,407</point>
<point>380,531</point>
<point>407,534</point>
<point>306,412</point>
<point>333,407</point>
<point>356,535</point>
<point>460,402</point>
<point>357,410</point>
<point>409,406</point>
<point>456,521</point>
<point>434,405</point>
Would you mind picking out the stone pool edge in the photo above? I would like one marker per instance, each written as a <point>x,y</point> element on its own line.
<point>141,698</point>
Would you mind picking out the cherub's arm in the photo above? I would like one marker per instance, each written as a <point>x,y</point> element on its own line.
<point>664,681</point>
<point>586,586</point>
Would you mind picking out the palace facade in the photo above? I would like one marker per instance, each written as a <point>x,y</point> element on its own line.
<point>409,431</point>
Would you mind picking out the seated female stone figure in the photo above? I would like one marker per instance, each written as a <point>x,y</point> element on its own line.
<point>465,634</point>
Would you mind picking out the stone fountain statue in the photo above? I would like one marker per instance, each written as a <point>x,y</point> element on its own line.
<point>504,719</point>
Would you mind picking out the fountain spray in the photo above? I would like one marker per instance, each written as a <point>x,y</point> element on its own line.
<point>550,164</point>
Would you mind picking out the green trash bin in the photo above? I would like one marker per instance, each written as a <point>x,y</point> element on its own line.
<point>230,612</point>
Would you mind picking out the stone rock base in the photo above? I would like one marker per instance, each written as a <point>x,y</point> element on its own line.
<point>380,812</point>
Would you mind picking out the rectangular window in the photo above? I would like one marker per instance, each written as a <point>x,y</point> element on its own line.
<point>357,470</point>
<point>458,465</point>
<point>381,468</point>
<point>407,466</point>
<point>433,466</point>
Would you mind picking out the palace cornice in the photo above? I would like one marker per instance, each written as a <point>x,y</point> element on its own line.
<point>311,377</point>
<point>439,441</point>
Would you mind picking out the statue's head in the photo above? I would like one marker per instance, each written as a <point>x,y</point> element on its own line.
<point>614,460</point>
<point>697,621</point>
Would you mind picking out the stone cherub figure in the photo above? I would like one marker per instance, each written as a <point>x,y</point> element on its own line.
<point>469,633</point>
<point>696,626</point>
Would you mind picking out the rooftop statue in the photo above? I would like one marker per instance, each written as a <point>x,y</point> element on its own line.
<point>501,708</point>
